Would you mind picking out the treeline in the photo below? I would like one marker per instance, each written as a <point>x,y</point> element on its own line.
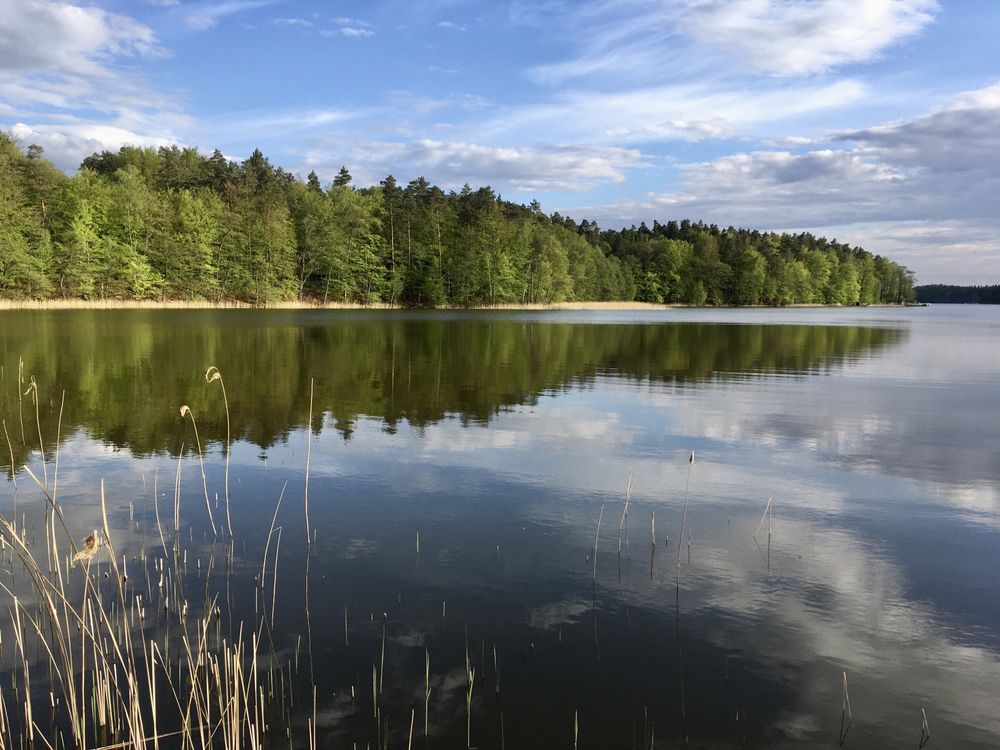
<point>948,294</point>
<point>170,223</point>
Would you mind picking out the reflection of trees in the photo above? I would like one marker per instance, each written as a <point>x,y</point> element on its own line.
<point>125,374</point>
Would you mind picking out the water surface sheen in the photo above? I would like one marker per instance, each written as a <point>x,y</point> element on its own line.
<point>497,438</point>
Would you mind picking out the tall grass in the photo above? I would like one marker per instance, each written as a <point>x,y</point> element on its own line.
<point>126,661</point>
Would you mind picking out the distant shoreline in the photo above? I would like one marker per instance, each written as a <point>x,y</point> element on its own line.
<point>80,304</point>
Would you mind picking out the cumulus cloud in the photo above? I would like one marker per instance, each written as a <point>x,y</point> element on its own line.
<point>962,136</point>
<point>64,39</point>
<point>59,59</point>
<point>531,169</point>
<point>68,144</point>
<point>524,169</point>
<point>914,186</point>
<point>943,165</point>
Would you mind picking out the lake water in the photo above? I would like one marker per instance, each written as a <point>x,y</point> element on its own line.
<point>493,441</point>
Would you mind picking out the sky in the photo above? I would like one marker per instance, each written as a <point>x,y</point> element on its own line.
<point>873,122</point>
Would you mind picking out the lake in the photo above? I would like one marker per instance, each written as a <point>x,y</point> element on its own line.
<point>840,517</point>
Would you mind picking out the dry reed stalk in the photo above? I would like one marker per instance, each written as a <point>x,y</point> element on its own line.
<point>177,498</point>
<point>621,524</point>
<point>845,713</point>
<point>10,447</point>
<point>312,673</point>
<point>33,390</point>
<point>496,669</point>
<point>471,675</point>
<point>381,668</point>
<point>308,459</point>
<point>597,535</point>
<point>19,640</point>
<point>274,576</point>
<point>211,375</point>
<point>687,486</point>
<point>427,688</point>
<point>766,517</point>
<point>156,510</point>
<point>270,532</point>
<point>186,412</point>
<point>20,385</point>
<point>55,472</point>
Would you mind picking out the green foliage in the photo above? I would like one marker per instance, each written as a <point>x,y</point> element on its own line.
<point>25,249</point>
<point>170,223</point>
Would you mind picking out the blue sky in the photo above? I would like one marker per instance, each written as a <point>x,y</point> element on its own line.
<point>876,122</point>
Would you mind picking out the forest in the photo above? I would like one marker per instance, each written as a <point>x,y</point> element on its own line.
<point>949,294</point>
<point>170,223</point>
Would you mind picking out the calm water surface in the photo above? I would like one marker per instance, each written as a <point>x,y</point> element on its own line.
<point>497,438</point>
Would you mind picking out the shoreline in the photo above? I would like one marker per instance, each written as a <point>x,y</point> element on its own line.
<point>81,304</point>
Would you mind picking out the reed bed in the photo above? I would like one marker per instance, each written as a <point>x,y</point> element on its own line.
<point>110,653</point>
<point>306,304</point>
<point>126,664</point>
<point>125,304</point>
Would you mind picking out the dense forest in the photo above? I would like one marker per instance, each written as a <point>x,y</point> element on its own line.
<point>170,223</point>
<point>945,294</point>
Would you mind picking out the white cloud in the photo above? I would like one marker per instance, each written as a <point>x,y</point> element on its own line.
<point>678,37</point>
<point>69,144</point>
<point>57,59</point>
<point>797,38</point>
<point>962,136</point>
<point>356,33</point>
<point>352,28</point>
<point>924,188</point>
<point>686,112</point>
<point>571,167</point>
<point>245,129</point>
<point>206,17</point>
<point>64,39</point>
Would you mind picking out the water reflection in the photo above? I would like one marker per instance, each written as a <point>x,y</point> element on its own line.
<point>125,373</point>
<point>497,440</point>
